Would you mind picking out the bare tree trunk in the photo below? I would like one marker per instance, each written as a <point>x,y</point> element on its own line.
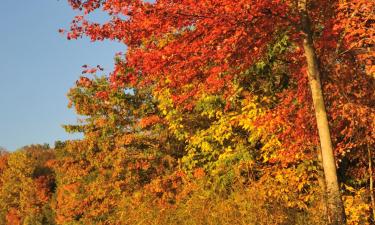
<point>322,184</point>
<point>371,181</point>
<point>335,208</point>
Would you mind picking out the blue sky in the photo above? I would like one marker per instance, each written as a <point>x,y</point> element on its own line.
<point>37,68</point>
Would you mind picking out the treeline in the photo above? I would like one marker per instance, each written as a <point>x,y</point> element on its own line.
<point>210,117</point>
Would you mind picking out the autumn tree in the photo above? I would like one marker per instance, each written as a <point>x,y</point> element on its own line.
<point>120,153</point>
<point>220,112</point>
<point>27,184</point>
<point>196,48</point>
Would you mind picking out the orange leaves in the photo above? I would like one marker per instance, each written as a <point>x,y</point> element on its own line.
<point>199,173</point>
<point>44,186</point>
<point>139,165</point>
<point>218,88</point>
<point>100,122</point>
<point>84,82</point>
<point>13,217</point>
<point>166,188</point>
<point>355,20</point>
<point>67,206</point>
<point>149,121</point>
<point>125,140</point>
<point>26,185</point>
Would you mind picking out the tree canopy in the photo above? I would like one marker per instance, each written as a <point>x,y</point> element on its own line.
<point>219,112</point>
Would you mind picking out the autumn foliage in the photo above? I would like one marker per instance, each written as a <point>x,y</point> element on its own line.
<point>207,118</point>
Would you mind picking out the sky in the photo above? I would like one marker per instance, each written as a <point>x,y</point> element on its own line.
<point>37,68</point>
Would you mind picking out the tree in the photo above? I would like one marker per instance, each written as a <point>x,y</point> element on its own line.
<point>195,48</point>
<point>336,214</point>
<point>120,153</point>
<point>27,184</point>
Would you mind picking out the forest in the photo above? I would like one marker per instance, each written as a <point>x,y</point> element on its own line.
<point>219,112</point>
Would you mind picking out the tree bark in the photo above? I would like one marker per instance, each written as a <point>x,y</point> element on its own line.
<point>335,208</point>
<point>322,184</point>
<point>371,181</point>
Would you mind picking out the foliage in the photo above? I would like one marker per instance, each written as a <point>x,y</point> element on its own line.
<point>27,185</point>
<point>207,119</point>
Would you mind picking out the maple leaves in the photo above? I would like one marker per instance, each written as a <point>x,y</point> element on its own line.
<point>355,20</point>
<point>209,105</point>
<point>188,51</point>
<point>191,42</point>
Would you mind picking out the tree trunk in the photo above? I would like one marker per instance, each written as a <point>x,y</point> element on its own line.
<point>371,182</point>
<point>335,208</point>
<point>322,184</point>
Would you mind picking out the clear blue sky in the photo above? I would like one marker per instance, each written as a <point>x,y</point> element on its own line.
<point>37,68</point>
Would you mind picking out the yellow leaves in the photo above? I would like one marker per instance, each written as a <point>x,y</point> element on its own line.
<point>250,111</point>
<point>270,149</point>
<point>300,186</point>
<point>357,209</point>
<point>206,147</point>
<point>169,37</point>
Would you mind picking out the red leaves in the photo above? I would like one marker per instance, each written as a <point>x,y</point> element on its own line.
<point>103,95</point>
<point>120,78</point>
<point>180,39</point>
<point>196,48</point>
<point>91,70</point>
